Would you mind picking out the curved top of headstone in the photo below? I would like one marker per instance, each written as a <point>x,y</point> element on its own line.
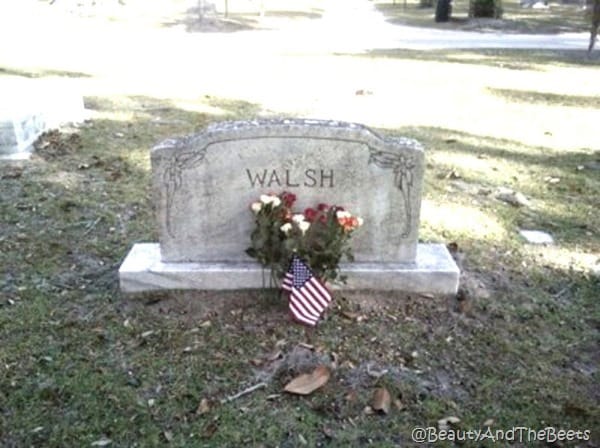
<point>204,182</point>
<point>288,128</point>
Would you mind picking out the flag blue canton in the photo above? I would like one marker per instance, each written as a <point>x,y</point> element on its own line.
<point>300,273</point>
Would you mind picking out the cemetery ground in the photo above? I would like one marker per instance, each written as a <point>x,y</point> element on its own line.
<point>82,365</point>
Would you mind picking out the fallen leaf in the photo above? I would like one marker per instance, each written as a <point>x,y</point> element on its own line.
<point>368,410</point>
<point>334,360</point>
<point>351,396</point>
<point>307,346</point>
<point>453,174</point>
<point>308,382</point>
<point>168,436</point>
<point>328,432</point>
<point>203,407</point>
<point>274,356</point>
<point>209,430</point>
<point>375,373</point>
<point>350,315</point>
<point>348,365</point>
<point>446,422</point>
<point>512,197</point>
<point>574,409</point>
<point>398,404</point>
<point>452,247</point>
<point>15,173</point>
<point>381,400</point>
<point>488,422</point>
<point>464,304</point>
<point>102,442</point>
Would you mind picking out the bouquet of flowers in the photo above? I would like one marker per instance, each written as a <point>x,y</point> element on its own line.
<point>320,236</point>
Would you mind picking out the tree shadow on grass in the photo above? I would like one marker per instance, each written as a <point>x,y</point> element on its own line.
<point>563,187</point>
<point>515,59</point>
<point>526,351</point>
<point>84,197</point>
<point>551,99</point>
<point>196,20</point>
<point>41,73</point>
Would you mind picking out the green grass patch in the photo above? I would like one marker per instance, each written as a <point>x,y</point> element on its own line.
<point>81,364</point>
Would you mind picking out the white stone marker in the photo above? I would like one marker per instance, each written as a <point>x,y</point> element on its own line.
<point>30,107</point>
<point>204,184</point>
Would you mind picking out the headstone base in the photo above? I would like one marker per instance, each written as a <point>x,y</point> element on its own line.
<point>434,272</point>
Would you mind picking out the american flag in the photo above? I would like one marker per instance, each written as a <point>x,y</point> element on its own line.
<point>308,296</point>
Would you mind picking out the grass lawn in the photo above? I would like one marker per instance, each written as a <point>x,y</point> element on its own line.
<point>83,366</point>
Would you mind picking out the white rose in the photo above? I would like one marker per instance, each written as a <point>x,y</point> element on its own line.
<point>270,199</point>
<point>286,228</point>
<point>298,218</point>
<point>341,214</point>
<point>360,221</point>
<point>304,225</point>
<point>256,206</point>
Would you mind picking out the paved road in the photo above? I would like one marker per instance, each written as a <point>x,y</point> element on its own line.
<point>357,25</point>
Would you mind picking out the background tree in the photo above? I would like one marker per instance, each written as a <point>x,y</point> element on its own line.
<point>485,8</point>
<point>443,9</point>
<point>595,16</point>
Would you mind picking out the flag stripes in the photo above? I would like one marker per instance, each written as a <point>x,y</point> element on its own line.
<point>308,297</point>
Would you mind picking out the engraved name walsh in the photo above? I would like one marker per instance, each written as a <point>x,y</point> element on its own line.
<point>310,177</point>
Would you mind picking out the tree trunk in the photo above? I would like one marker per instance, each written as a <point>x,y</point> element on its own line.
<point>442,11</point>
<point>595,25</point>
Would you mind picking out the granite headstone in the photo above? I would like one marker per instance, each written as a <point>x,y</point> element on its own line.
<point>203,185</point>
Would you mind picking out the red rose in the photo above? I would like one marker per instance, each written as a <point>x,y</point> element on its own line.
<point>322,207</point>
<point>310,214</point>
<point>288,199</point>
<point>285,215</point>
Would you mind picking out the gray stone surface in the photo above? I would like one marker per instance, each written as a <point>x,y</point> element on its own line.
<point>30,107</point>
<point>205,183</point>
<point>18,133</point>
<point>434,271</point>
<point>536,237</point>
